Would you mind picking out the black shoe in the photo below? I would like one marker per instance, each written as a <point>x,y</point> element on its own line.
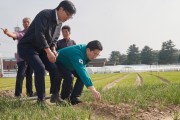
<point>75,101</point>
<point>30,94</point>
<point>56,99</point>
<point>41,101</point>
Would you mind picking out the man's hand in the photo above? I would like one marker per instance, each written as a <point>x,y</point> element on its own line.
<point>50,55</point>
<point>5,30</point>
<point>8,33</point>
<point>95,93</point>
<point>55,53</point>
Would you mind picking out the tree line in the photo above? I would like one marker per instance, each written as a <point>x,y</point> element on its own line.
<point>167,55</point>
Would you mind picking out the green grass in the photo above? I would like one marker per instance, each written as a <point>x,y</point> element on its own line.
<point>129,81</point>
<point>171,76</point>
<point>9,84</point>
<point>150,79</point>
<point>152,93</point>
<point>18,110</point>
<point>99,84</point>
<point>144,96</point>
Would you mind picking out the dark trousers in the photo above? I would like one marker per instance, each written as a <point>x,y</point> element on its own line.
<point>67,84</point>
<point>29,80</point>
<point>78,87</point>
<point>23,70</point>
<point>39,63</point>
<point>67,87</point>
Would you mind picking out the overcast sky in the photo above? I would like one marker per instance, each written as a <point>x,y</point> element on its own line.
<point>116,23</point>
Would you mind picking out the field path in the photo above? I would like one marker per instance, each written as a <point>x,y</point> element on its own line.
<point>164,80</point>
<point>112,84</point>
<point>139,80</point>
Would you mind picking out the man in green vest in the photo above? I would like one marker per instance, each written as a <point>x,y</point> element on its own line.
<point>73,59</point>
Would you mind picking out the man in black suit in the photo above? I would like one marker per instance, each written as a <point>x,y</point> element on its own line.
<point>37,47</point>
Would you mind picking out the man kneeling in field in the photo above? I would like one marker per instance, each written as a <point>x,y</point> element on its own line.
<point>73,60</point>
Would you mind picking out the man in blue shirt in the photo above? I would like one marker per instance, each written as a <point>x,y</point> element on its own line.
<point>74,59</point>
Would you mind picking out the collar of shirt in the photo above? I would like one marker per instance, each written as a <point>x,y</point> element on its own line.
<point>66,40</point>
<point>58,21</point>
<point>85,54</point>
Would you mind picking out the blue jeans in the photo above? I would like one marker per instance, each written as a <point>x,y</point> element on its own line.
<point>39,62</point>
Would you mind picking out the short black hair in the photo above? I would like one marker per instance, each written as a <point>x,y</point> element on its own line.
<point>66,27</point>
<point>95,44</point>
<point>67,6</point>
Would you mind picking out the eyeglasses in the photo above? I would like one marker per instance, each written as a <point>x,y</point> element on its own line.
<point>69,15</point>
<point>96,54</point>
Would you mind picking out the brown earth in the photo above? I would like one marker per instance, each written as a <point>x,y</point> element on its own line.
<point>123,111</point>
<point>139,80</point>
<point>7,93</point>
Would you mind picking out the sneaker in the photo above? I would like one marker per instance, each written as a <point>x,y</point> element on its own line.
<point>56,99</point>
<point>75,101</point>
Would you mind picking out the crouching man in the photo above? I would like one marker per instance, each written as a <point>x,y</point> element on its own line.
<point>73,59</point>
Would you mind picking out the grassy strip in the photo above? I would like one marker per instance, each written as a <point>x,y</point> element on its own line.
<point>103,82</point>
<point>18,110</point>
<point>171,76</point>
<point>153,92</point>
<point>97,77</point>
<point>150,79</point>
<point>142,97</point>
<point>129,81</point>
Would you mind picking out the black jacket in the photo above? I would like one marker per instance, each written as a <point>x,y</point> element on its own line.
<point>63,43</point>
<point>40,32</point>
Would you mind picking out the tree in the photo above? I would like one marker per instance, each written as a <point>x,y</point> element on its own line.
<point>155,56</point>
<point>115,57</point>
<point>166,54</point>
<point>146,55</point>
<point>123,59</point>
<point>133,56</point>
<point>179,58</point>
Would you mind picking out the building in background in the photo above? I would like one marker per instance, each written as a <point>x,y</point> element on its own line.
<point>99,62</point>
<point>9,64</point>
